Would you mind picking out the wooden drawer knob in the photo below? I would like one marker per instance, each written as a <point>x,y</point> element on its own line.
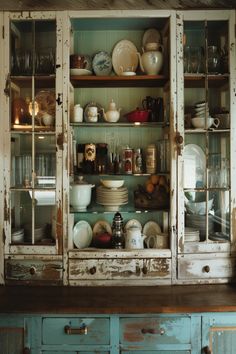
<point>32,270</point>
<point>206,269</point>
<point>92,270</point>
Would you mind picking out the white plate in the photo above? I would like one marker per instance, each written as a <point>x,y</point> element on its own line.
<point>82,234</point>
<point>201,104</point>
<point>128,73</point>
<point>194,166</point>
<point>151,228</point>
<point>81,72</point>
<point>133,223</point>
<point>102,64</point>
<point>152,35</point>
<point>100,227</point>
<point>124,55</point>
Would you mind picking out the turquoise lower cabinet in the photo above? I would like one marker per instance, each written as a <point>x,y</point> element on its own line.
<point>219,333</point>
<point>16,335</point>
<point>154,334</point>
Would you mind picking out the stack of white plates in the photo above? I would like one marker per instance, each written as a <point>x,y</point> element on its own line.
<point>17,236</point>
<point>191,234</point>
<point>199,222</point>
<point>111,198</point>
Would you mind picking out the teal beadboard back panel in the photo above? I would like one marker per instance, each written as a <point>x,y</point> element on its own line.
<point>134,137</point>
<point>91,42</point>
<point>125,98</point>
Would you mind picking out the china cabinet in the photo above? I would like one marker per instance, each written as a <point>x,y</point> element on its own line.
<point>32,146</point>
<point>120,36</point>
<point>206,124</point>
<point>75,114</point>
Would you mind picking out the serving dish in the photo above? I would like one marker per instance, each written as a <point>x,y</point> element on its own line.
<point>82,234</point>
<point>102,64</point>
<point>124,55</point>
<point>151,228</point>
<point>137,115</point>
<point>194,166</point>
<point>151,35</point>
<point>80,72</point>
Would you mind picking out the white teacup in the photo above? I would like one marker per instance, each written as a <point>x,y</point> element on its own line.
<point>159,241</point>
<point>199,122</point>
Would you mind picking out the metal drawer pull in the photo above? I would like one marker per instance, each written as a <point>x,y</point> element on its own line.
<point>160,331</point>
<point>82,330</point>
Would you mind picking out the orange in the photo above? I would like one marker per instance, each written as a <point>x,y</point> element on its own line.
<point>154,179</point>
<point>150,187</point>
<point>162,181</point>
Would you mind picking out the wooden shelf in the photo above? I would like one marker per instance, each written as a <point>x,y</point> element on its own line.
<point>198,80</point>
<point>119,81</point>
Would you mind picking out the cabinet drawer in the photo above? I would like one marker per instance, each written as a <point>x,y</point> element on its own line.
<point>119,268</point>
<point>153,352</point>
<point>78,330</point>
<point>89,352</point>
<point>206,267</point>
<point>152,331</point>
<point>33,270</point>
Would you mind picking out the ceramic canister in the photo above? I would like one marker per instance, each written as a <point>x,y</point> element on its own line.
<point>78,114</point>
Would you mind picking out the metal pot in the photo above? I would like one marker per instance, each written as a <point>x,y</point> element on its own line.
<point>138,115</point>
<point>80,195</point>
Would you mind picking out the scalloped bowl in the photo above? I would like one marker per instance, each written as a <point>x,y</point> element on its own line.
<point>112,183</point>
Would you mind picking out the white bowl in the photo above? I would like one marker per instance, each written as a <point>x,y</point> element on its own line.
<point>112,183</point>
<point>198,208</point>
<point>199,122</point>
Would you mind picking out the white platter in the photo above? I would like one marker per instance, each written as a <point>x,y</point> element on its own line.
<point>151,228</point>
<point>101,226</point>
<point>152,35</point>
<point>82,234</point>
<point>194,166</point>
<point>133,223</point>
<point>124,55</point>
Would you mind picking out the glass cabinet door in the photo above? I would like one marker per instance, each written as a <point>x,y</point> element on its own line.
<point>31,176</point>
<point>205,166</point>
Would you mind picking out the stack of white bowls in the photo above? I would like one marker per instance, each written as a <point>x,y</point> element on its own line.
<point>191,234</point>
<point>38,233</point>
<point>199,222</point>
<point>17,236</point>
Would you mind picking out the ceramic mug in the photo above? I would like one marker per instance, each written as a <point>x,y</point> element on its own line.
<point>199,122</point>
<point>159,241</point>
<point>92,114</point>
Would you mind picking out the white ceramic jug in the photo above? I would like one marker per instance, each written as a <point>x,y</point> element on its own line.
<point>151,61</point>
<point>78,114</point>
<point>134,238</point>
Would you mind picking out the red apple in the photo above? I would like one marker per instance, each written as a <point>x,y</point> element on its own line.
<point>103,240</point>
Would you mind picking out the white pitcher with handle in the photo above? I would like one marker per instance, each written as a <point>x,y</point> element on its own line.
<point>134,238</point>
<point>151,60</point>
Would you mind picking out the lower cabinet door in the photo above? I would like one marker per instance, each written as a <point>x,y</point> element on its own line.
<point>157,352</point>
<point>14,335</point>
<point>219,334</point>
<point>76,352</point>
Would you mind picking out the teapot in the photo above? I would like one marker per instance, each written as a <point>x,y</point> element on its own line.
<point>134,239</point>
<point>151,61</point>
<point>113,114</point>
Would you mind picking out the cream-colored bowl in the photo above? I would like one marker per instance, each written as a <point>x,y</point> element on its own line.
<point>112,183</point>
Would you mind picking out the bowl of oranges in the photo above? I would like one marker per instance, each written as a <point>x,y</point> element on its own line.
<point>153,194</point>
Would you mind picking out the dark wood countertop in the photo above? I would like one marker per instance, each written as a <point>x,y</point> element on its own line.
<point>120,300</point>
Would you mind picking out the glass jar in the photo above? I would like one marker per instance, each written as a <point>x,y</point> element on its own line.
<point>213,59</point>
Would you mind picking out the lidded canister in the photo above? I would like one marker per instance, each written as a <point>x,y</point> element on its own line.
<point>77,116</point>
<point>127,160</point>
<point>137,161</point>
<point>151,158</point>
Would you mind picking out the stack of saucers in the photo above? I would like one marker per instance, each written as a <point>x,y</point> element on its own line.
<point>191,234</point>
<point>111,198</point>
<point>201,109</point>
<point>17,236</point>
<point>199,222</point>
